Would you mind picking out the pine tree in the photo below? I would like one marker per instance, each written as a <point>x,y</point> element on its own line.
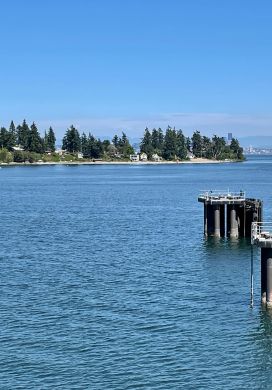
<point>115,141</point>
<point>12,137</point>
<point>170,144</point>
<point>236,149</point>
<point>124,147</point>
<point>197,144</point>
<point>3,137</point>
<point>71,141</point>
<point>84,145</point>
<point>146,144</point>
<point>181,149</point>
<point>51,140</point>
<point>23,132</point>
<point>35,142</point>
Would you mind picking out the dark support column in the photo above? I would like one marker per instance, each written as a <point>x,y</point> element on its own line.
<point>266,274</point>
<point>205,220</point>
<point>241,220</point>
<point>269,281</point>
<point>216,221</point>
<point>222,220</point>
<point>210,220</point>
<point>233,222</point>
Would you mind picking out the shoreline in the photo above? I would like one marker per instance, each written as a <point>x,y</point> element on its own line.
<point>49,163</point>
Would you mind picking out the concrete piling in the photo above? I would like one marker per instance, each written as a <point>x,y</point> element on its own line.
<point>217,232</point>
<point>233,222</point>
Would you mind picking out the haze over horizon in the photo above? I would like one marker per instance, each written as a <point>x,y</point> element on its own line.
<point>108,66</point>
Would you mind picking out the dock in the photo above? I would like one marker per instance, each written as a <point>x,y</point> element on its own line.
<point>229,214</point>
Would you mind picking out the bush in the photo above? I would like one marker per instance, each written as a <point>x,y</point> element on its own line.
<point>5,156</point>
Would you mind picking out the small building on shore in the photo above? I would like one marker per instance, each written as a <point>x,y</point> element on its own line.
<point>156,157</point>
<point>134,157</point>
<point>17,148</point>
<point>143,157</point>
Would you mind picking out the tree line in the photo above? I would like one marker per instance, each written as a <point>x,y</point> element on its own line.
<point>25,142</point>
<point>91,147</point>
<point>27,137</point>
<point>173,144</point>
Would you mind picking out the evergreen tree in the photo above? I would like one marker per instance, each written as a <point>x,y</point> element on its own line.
<point>35,142</point>
<point>23,134</point>
<point>160,139</point>
<point>71,141</point>
<point>170,144</point>
<point>181,149</point>
<point>218,147</point>
<point>207,147</point>
<point>155,141</point>
<point>4,135</point>
<point>12,137</point>
<point>197,144</point>
<point>146,144</point>
<point>124,146</point>
<point>84,145</point>
<point>51,140</point>
<point>45,141</point>
<point>236,149</point>
<point>188,144</point>
<point>115,141</point>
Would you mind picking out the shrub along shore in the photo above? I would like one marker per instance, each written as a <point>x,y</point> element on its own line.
<point>24,144</point>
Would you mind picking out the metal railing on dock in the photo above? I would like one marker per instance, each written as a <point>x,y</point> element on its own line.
<point>261,233</point>
<point>221,195</point>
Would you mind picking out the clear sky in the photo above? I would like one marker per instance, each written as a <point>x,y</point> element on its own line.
<point>106,65</point>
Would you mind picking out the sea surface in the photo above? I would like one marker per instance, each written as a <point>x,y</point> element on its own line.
<point>108,283</point>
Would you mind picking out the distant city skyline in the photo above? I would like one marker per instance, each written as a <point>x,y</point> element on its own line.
<point>107,66</point>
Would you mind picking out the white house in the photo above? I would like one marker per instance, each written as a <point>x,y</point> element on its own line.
<point>143,157</point>
<point>134,157</point>
<point>156,157</point>
<point>17,148</point>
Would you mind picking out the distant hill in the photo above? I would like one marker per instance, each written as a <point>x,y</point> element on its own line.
<point>262,141</point>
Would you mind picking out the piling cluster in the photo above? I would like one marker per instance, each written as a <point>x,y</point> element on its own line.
<point>229,214</point>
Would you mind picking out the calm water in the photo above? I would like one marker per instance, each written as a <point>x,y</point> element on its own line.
<point>108,283</point>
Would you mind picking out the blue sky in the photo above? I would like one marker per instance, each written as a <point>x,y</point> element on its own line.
<point>107,65</point>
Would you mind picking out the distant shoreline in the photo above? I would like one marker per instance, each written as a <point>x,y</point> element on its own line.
<point>193,161</point>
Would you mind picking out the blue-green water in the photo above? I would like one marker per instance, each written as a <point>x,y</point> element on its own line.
<point>108,283</point>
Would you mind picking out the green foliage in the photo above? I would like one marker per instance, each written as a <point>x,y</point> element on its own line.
<point>5,156</point>
<point>124,147</point>
<point>50,140</point>
<point>197,144</point>
<point>69,157</point>
<point>35,143</point>
<point>23,135</point>
<point>147,143</point>
<point>170,144</point>
<point>71,141</point>
<point>236,149</point>
<point>181,148</point>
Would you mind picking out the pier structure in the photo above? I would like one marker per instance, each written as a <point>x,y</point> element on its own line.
<point>229,214</point>
<point>261,236</point>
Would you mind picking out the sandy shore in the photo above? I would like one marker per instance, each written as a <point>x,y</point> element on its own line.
<point>193,161</point>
